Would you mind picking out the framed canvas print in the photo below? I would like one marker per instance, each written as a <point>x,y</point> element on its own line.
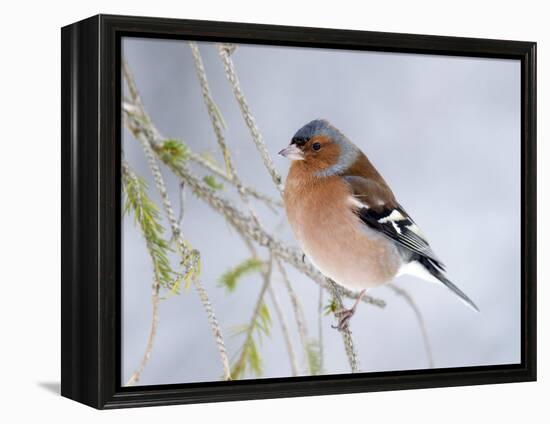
<point>254,211</point>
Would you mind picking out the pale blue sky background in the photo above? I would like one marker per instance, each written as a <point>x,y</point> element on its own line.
<point>443,131</point>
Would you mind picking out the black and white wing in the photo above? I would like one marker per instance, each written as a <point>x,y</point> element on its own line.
<point>376,207</point>
<point>396,224</point>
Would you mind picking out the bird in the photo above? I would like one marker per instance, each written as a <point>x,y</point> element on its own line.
<point>348,221</point>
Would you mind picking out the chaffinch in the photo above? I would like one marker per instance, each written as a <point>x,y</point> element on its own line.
<point>347,220</point>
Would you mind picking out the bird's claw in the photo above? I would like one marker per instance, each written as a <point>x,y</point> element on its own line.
<point>344,316</point>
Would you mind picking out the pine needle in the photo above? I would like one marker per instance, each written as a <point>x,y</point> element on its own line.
<point>212,182</point>
<point>230,278</point>
<point>147,217</point>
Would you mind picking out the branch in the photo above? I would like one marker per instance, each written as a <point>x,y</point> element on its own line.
<point>215,327</point>
<point>284,330</point>
<point>298,313</point>
<point>131,84</point>
<point>136,375</point>
<point>320,329</point>
<point>217,122</point>
<point>189,257</point>
<point>218,126</point>
<point>182,202</point>
<point>208,165</point>
<point>346,333</point>
<point>131,109</point>
<point>224,51</point>
<point>213,112</point>
<point>419,318</point>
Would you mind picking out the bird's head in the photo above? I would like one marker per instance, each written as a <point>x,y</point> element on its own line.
<point>322,149</point>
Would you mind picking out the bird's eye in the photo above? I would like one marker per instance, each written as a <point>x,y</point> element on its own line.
<point>316,146</point>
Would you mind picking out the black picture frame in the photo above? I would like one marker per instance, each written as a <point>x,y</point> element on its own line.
<point>91,211</point>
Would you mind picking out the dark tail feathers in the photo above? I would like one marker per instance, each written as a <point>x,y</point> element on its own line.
<point>433,269</point>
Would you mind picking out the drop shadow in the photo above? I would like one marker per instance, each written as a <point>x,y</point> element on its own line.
<point>51,386</point>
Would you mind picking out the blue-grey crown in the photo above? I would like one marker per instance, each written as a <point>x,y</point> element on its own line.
<point>316,127</point>
<point>348,151</point>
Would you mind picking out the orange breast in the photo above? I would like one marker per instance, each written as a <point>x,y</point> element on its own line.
<point>333,237</point>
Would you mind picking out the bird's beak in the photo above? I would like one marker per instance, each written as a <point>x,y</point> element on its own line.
<point>292,152</point>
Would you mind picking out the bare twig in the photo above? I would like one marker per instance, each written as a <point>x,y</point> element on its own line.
<point>134,111</point>
<point>251,191</point>
<point>217,122</point>
<point>215,327</point>
<point>131,84</point>
<point>213,111</point>
<point>320,329</point>
<point>284,330</point>
<point>182,202</point>
<point>136,375</point>
<point>298,312</point>
<point>225,55</point>
<point>136,107</point>
<point>346,333</point>
<point>419,318</point>
<point>186,254</point>
<point>218,126</point>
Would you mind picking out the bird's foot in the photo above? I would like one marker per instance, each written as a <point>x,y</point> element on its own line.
<point>344,315</point>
